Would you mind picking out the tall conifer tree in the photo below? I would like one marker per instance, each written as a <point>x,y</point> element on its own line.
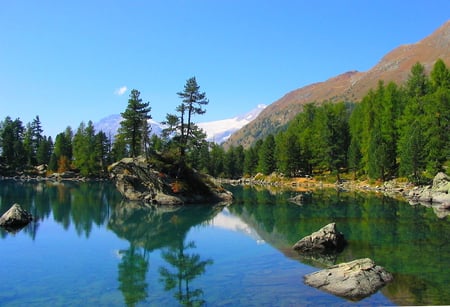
<point>133,131</point>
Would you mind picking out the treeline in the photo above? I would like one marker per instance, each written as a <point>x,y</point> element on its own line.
<point>394,131</point>
<point>90,152</point>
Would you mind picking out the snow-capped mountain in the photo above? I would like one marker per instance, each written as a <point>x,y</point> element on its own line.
<point>216,131</point>
<point>110,124</point>
<point>220,130</point>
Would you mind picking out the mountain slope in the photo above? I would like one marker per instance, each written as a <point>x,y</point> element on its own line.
<point>350,86</point>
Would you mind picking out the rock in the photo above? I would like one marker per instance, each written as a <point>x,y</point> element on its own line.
<point>441,183</point>
<point>438,193</point>
<point>138,180</point>
<point>353,280</point>
<point>15,218</point>
<point>326,239</point>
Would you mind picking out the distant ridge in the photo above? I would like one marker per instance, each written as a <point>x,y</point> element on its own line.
<point>350,86</point>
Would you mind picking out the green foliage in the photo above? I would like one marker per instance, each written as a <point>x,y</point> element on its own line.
<point>267,163</point>
<point>185,134</point>
<point>12,137</point>
<point>134,129</point>
<point>91,150</point>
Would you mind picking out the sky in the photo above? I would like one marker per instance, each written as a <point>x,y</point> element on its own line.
<point>73,61</point>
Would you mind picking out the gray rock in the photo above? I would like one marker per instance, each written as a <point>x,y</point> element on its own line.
<point>15,218</point>
<point>437,193</point>
<point>137,180</point>
<point>325,239</point>
<point>353,280</point>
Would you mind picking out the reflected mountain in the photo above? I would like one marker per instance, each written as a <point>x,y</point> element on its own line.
<point>410,242</point>
<point>228,221</point>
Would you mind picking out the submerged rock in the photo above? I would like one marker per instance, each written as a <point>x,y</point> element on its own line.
<point>326,239</point>
<point>15,218</point>
<point>353,280</point>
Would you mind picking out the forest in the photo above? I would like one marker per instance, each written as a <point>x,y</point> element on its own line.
<point>394,131</point>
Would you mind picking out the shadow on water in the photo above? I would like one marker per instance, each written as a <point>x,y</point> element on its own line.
<point>409,241</point>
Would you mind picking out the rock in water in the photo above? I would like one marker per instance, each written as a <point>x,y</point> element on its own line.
<point>15,218</point>
<point>353,280</point>
<point>326,239</point>
<point>138,180</point>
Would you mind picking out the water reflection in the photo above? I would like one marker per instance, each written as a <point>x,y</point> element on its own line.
<point>410,242</point>
<point>133,269</point>
<point>82,205</point>
<point>184,268</point>
<point>165,228</point>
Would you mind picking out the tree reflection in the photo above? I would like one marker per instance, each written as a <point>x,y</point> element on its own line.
<point>186,267</point>
<point>132,275</point>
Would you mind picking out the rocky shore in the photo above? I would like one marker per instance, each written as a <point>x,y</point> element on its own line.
<point>435,195</point>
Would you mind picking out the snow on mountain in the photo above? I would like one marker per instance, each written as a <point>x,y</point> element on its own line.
<point>110,125</point>
<point>217,131</point>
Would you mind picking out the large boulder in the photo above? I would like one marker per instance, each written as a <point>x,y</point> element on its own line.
<point>353,280</point>
<point>326,239</point>
<point>138,180</point>
<point>438,193</point>
<point>15,218</point>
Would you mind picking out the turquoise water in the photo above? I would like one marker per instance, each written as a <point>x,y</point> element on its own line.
<point>88,248</point>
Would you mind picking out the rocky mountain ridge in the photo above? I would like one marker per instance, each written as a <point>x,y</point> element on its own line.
<point>350,86</point>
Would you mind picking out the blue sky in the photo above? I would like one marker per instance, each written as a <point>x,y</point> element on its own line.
<point>66,61</point>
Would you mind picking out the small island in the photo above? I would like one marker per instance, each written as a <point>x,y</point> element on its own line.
<point>162,181</point>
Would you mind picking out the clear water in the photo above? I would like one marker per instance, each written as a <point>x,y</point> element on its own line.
<point>88,248</point>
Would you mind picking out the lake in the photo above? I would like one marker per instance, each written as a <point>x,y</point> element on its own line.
<point>88,247</point>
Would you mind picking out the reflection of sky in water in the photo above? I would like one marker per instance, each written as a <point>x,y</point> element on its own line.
<point>228,221</point>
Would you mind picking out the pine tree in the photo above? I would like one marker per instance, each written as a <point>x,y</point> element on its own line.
<point>133,131</point>
<point>12,137</point>
<point>411,143</point>
<point>267,162</point>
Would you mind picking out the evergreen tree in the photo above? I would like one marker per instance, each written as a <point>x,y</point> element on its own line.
<point>437,120</point>
<point>267,162</point>
<point>216,160</point>
<point>411,143</point>
<point>11,136</point>
<point>62,151</point>
<point>288,155</point>
<point>182,125</point>
<point>133,129</point>
<point>84,150</point>
<point>251,159</point>
<point>44,151</point>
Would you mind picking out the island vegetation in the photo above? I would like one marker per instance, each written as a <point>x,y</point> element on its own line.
<point>394,131</point>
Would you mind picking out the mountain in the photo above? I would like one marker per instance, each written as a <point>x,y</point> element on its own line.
<point>219,131</point>
<point>110,124</point>
<point>216,131</point>
<point>350,86</point>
